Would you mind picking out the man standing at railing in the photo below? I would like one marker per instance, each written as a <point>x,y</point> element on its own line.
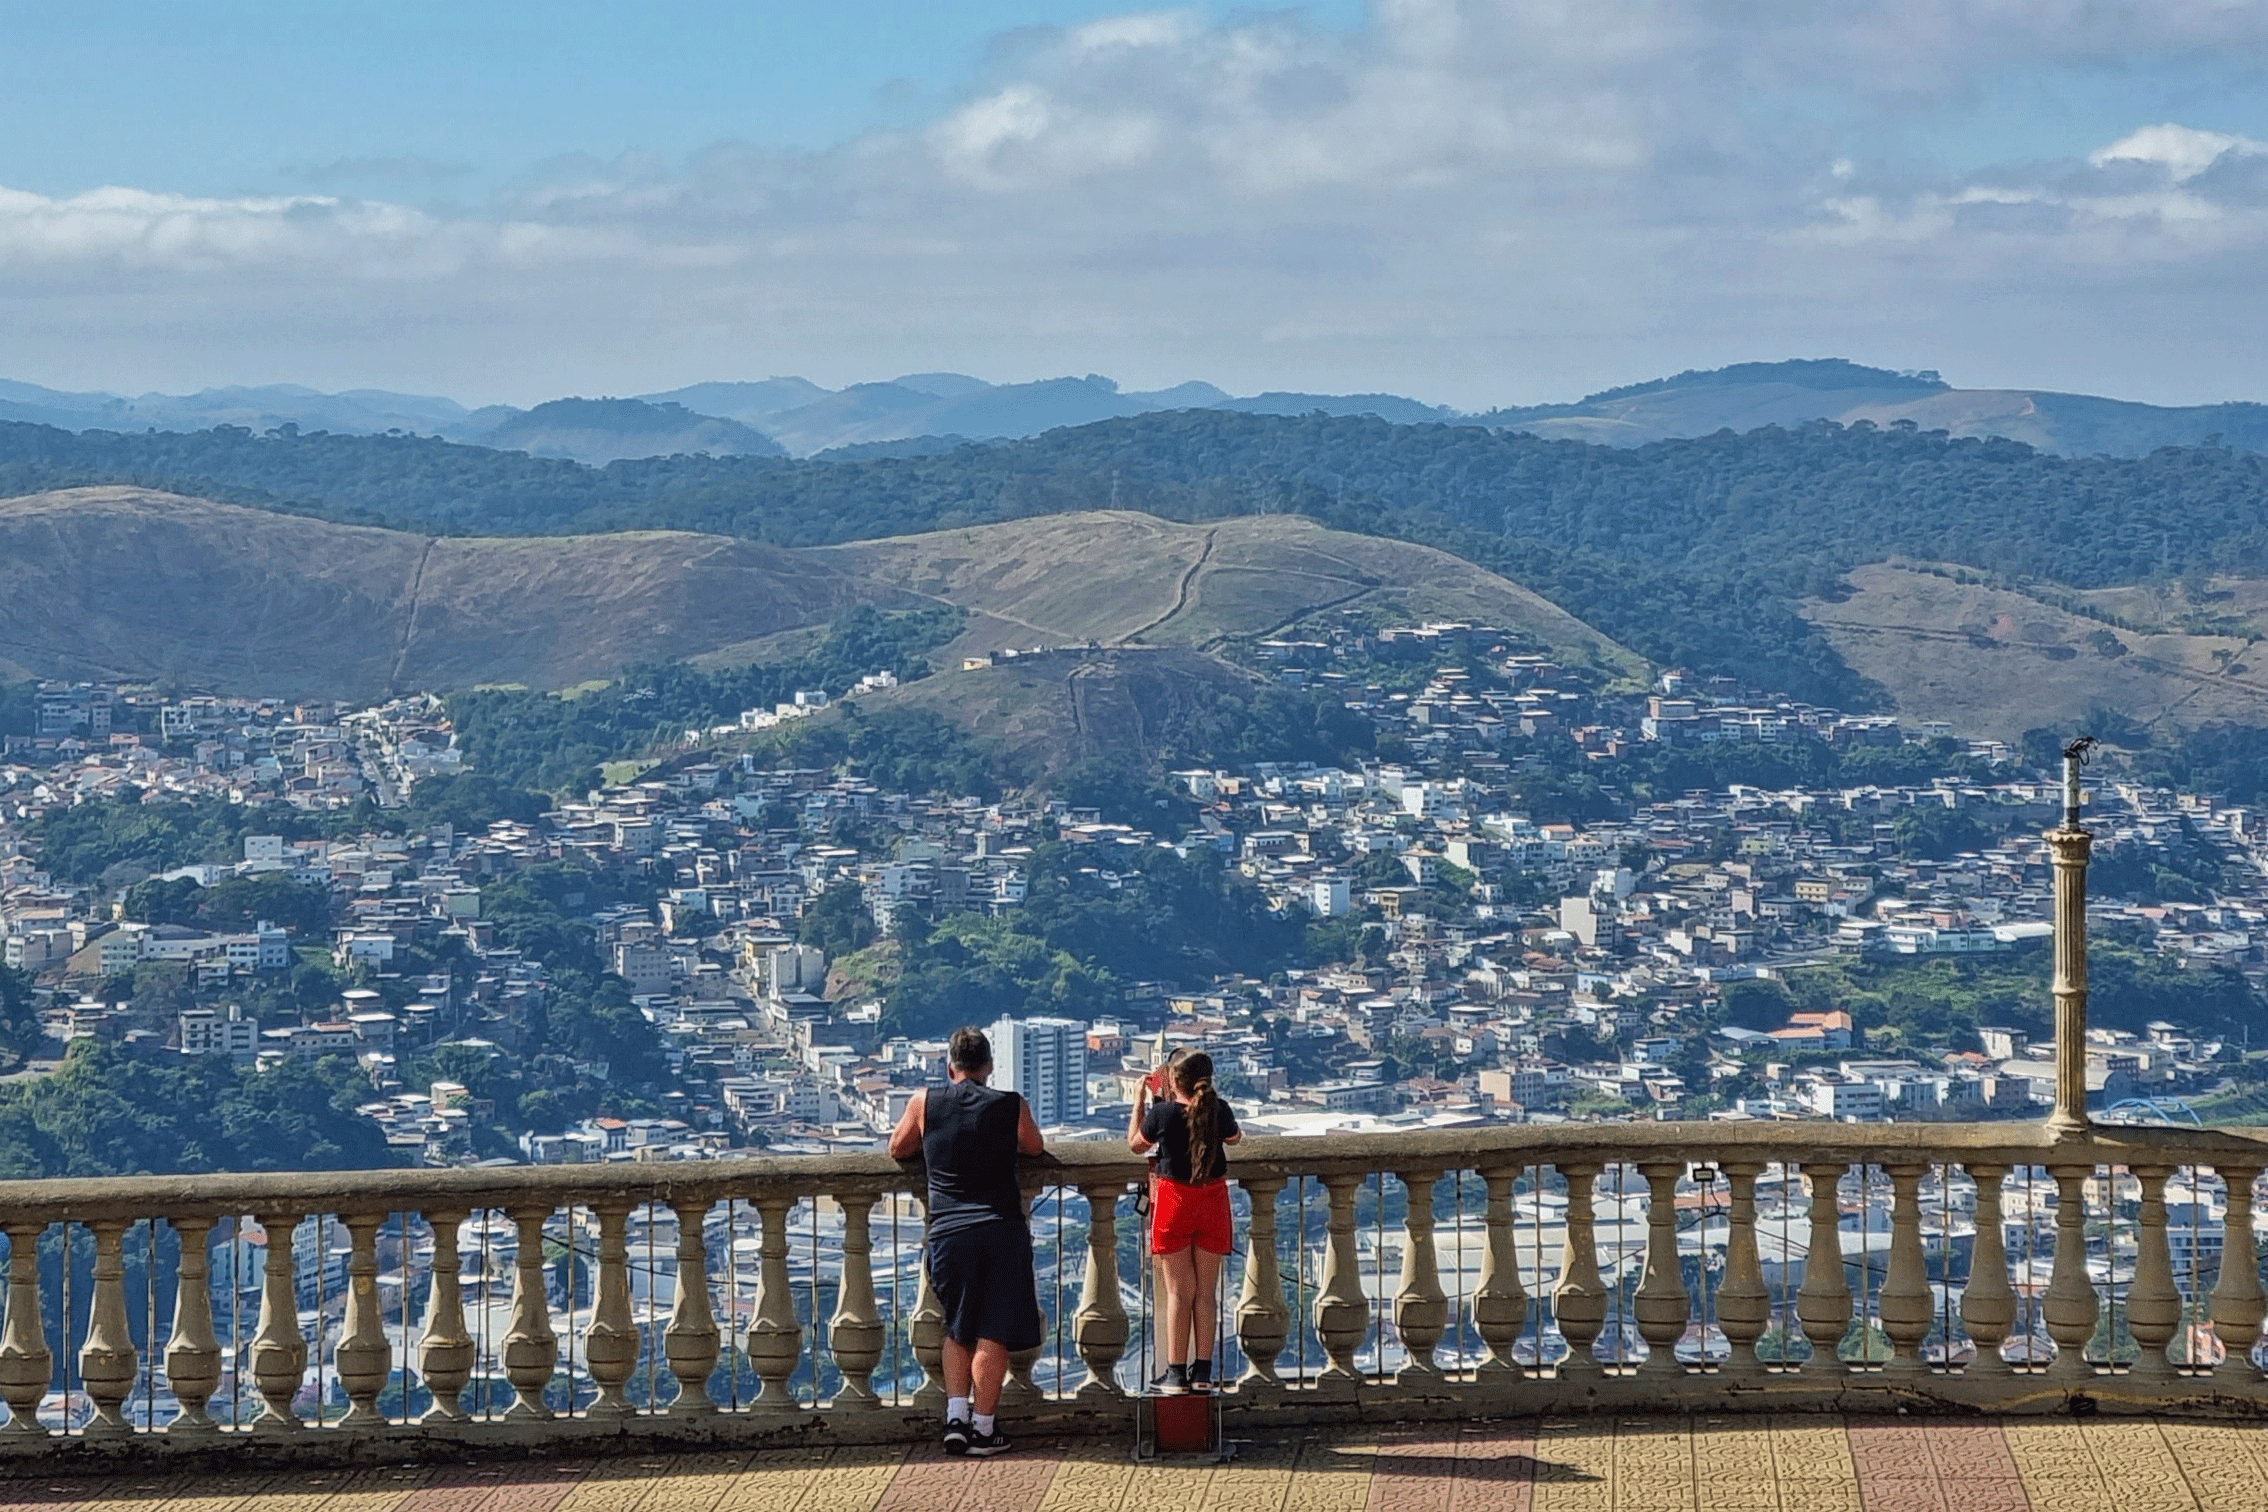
<point>980,1240</point>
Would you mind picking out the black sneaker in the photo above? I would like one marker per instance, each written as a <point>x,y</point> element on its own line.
<point>957,1437</point>
<point>1200,1375</point>
<point>1175,1381</point>
<point>986,1445</point>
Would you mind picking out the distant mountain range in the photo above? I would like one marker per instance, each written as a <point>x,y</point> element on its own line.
<point>922,413</point>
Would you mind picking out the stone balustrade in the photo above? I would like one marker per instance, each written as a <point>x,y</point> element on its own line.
<point>1514,1270</point>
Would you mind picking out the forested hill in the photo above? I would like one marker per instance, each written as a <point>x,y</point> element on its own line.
<point>1689,551</point>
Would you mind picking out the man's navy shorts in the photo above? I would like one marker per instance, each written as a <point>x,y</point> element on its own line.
<point>985,1281</point>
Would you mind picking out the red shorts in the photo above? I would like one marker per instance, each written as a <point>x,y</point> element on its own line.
<point>1184,1215</point>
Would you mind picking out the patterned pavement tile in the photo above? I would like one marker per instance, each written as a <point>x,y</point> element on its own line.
<point>1090,1481</point>
<point>1496,1469</point>
<point>854,1482</point>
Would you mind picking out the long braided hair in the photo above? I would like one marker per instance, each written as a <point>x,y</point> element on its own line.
<point>1193,1077</point>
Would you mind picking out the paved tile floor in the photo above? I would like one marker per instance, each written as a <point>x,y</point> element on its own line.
<point>1793,1464</point>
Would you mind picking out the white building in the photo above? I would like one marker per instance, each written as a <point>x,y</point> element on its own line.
<point>206,1032</point>
<point>1046,1060</point>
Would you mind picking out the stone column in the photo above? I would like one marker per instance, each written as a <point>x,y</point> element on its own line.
<point>1988,1303</point>
<point>192,1355</point>
<point>775,1338</point>
<point>108,1361</point>
<point>445,1348</point>
<point>925,1330</point>
<point>1342,1312</point>
<point>2071,1305</point>
<point>1744,1302</point>
<point>1661,1305</point>
<point>610,1339</point>
<point>26,1363</point>
<point>2153,1302</point>
<point>1500,1304</point>
<point>531,1349</point>
<point>364,1356</point>
<point>1905,1301</point>
<point>691,1340</point>
<point>855,1331</point>
<point>1100,1327</point>
<point>1421,1309</point>
<point>1579,1303</point>
<point>2238,1301</point>
<point>279,1349</point>
<point>1263,1318</point>
<point>1823,1302</point>
<point>2070,846</point>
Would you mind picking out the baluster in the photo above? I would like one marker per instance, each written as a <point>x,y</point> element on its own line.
<point>1019,1390</point>
<point>279,1349</point>
<point>445,1348</point>
<point>610,1340</point>
<point>2071,1306</point>
<point>1100,1327</point>
<point>926,1330</point>
<point>691,1340</point>
<point>1342,1311</point>
<point>2238,1301</point>
<point>855,1332</point>
<point>1661,1304</point>
<point>775,1338</point>
<point>1988,1303</point>
<point>1823,1302</point>
<point>1905,1303</point>
<point>531,1349</point>
<point>1744,1303</point>
<point>108,1361</point>
<point>1500,1304</point>
<point>26,1365</point>
<point>1579,1304</point>
<point>364,1356</point>
<point>1421,1309</point>
<point>2153,1302</point>
<point>192,1355</point>
<point>1263,1318</point>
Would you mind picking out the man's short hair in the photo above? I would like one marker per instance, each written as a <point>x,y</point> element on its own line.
<point>969,1051</point>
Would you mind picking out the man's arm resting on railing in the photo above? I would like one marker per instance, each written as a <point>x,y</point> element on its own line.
<point>1028,1141</point>
<point>905,1139</point>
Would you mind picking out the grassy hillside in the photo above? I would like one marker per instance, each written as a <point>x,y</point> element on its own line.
<point>140,585</point>
<point>133,584</point>
<point>2001,660</point>
<point>1119,578</point>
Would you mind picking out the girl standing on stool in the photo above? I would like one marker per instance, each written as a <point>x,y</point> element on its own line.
<point>1189,1221</point>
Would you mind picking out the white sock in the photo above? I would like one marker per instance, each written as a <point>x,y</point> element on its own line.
<point>982,1423</point>
<point>956,1409</point>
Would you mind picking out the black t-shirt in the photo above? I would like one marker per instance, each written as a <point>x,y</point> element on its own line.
<point>1166,1125</point>
<point>968,1140</point>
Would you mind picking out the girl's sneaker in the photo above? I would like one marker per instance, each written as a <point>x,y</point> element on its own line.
<point>1175,1381</point>
<point>1200,1375</point>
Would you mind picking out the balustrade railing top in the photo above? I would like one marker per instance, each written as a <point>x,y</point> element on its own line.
<point>135,1197</point>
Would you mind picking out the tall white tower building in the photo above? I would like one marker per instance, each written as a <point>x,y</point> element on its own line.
<point>1046,1060</point>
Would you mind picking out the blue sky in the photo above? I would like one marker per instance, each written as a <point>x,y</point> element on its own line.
<point>245,97</point>
<point>1473,201</point>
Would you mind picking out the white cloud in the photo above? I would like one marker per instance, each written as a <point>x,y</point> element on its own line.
<point>2184,153</point>
<point>1476,200</point>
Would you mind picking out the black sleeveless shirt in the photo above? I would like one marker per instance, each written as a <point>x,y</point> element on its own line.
<point>968,1140</point>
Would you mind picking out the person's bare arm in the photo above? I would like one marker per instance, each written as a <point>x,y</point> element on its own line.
<point>1134,1139</point>
<point>905,1139</point>
<point>1028,1141</point>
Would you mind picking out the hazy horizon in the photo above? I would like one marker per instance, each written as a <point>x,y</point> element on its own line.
<point>1471,202</point>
